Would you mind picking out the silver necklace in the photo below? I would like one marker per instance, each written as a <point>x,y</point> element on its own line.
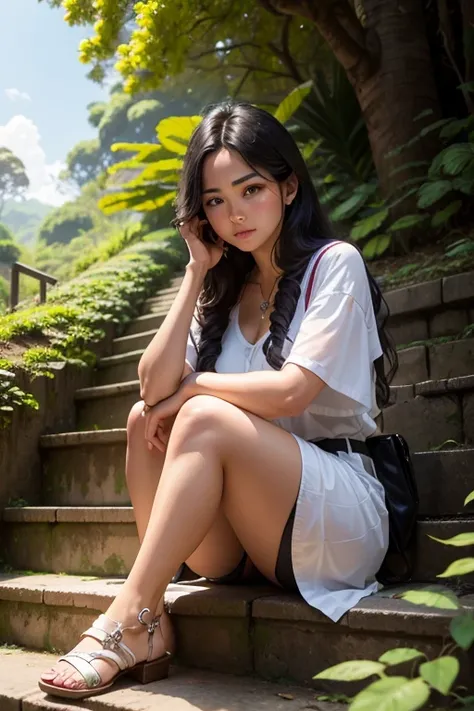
<point>266,302</point>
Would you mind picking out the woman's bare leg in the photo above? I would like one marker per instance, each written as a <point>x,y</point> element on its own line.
<point>205,468</point>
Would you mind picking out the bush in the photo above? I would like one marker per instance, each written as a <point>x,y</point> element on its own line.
<point>65,223</point>
<point>73,316</point>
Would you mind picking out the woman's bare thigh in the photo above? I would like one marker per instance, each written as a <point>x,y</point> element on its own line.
<point>262,475</point>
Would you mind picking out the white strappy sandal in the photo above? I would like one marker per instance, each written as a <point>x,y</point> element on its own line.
<point>109,633</point>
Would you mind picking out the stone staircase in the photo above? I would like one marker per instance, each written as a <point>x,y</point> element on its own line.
<point>74,546</point>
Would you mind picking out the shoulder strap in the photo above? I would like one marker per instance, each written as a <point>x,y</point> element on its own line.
<point>313,272</point>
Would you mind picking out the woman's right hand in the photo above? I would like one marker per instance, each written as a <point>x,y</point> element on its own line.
<point>200,252</point>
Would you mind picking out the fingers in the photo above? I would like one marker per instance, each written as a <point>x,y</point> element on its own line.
<point>154,434</point>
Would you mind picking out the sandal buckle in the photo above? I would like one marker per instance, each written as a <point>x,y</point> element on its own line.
<point>113,638</point>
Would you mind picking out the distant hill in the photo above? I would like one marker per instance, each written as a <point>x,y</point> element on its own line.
<point>24,218</point>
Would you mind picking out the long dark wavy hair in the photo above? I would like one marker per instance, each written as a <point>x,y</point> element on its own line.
<point>264,143</point>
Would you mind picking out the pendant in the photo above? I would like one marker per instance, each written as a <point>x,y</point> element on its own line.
<point>264,306</point>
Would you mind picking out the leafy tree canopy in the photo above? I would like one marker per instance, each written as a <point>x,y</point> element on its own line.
<point>241,39</point>
<point>13,178</point>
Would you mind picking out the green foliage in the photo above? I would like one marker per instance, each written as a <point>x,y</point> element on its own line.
<point>12,396</point>
<point>13,178</point>
<point>9,251</point>
<point>65,223</point>
<point>156,167</point>
<point>75,313</point>
<point>400,693</point>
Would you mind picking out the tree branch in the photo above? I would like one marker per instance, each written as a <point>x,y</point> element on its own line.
<point>337,22</point>
<point>225,49</point>
<point>284,54</point>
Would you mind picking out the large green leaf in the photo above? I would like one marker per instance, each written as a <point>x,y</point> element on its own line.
<point>441,217</point>
<point>462,539</point>
<point>349,207</point>
<point>443,600</point>
<point>369,224</point>
<point>292,102</point>
<point>462,630</point>
<point>407,221</point>
<point>175,132</point>
<point>457,157</point>
<point>463,566</point>
<point>469,498</point>
<point>429,193</point>
<point>141,200</point>
<point>440,673</point>
<point>376,246</point>
<point>400,655</point>
<point>354,670</point>
<point>396,693</point>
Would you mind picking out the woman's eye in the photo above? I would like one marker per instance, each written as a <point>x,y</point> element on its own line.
<point>211,203</point>
<point>255,188</point>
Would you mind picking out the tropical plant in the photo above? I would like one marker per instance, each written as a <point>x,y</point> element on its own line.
<point>155,168</point>
<point>402,693</point>
<point>13,178</point>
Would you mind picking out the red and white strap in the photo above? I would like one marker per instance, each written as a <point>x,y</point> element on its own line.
<point>309,288</point>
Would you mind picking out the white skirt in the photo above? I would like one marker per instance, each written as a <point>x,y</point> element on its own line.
<point>340,532</point>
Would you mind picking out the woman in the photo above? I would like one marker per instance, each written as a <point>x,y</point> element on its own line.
<point>220,467</point>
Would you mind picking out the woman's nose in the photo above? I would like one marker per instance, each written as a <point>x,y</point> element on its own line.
<point>237,219</point>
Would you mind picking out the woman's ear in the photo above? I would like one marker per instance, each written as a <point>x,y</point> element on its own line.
<point>290,189</point>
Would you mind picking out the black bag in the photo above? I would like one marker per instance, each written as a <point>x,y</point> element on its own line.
<point>394,470</point>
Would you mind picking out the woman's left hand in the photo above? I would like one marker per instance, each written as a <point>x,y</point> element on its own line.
<point>156,431</point>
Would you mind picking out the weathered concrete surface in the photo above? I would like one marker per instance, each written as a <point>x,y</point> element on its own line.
<point>85,468</point>
<point>106,406</point>
<point>247,629</point>
<point>426,422</point>
<point>135,342</point>
<point>184,690</point>
<point>121,367</point>
<point>144,323</point>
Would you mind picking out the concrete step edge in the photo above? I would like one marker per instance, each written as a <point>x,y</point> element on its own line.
<point>87,437</point>
<point>124,339</point>
<point>398,392</point>
<point>384,610</point>
<point>98,391</point>
<point>128,357</point>
<point>185,690</point>
<point>124,514</point>
<point>68,514</point>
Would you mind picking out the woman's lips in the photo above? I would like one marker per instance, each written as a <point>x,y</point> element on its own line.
<point>242,235</point>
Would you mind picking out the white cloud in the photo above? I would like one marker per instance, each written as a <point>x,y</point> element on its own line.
<point>21,135</point>
<point>17,95</point>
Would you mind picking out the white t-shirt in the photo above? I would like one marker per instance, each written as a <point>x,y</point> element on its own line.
<point>336,338</point>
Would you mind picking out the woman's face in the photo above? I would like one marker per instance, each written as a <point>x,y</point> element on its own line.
<point>243,209</point>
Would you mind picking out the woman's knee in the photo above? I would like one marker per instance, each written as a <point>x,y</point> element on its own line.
<point>135,421</point>
<point>201,414</point>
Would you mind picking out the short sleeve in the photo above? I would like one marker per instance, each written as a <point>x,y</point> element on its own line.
<point>192,344</point>
<point>338,339</point>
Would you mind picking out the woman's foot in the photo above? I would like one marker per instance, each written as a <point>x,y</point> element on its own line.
<point>64,675</point>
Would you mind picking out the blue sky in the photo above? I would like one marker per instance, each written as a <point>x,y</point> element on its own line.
<point>43,90</point>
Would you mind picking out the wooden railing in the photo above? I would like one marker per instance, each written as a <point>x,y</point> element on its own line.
<point>18,268</point>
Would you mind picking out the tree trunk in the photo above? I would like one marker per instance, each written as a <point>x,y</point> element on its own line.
<point>401,87</point>
<point>388,63</point>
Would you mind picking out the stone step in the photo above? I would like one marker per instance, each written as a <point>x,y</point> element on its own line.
<point>441,307</point>
<point>84,468</point>
<point>256,631</point>
<point>135,342</point>
<point>416,364</point>
<point>103,540</point>
<point>427,413</point>
<point>158,303</point>
<point>88,469</point>
<point>118,368</point>
<point>146,323</point>
<point>185,690</point>
<point>435,361</point>
<point>106,406</point>
<point>432,412</point>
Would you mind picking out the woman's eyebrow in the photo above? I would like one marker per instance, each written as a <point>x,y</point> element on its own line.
<point>234,182</point>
